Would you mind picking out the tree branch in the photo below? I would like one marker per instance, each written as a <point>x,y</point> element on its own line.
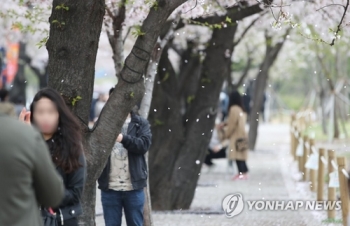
<point>247,29</point>
<point>127,34</point>
<point>326,72</point>
<point>115,38</point>
<point>245,72</point>
<point>340,23</point>
<point>152,67</point>
<point>235,13</point>
<point>330,5</point>
<point>130,87</point>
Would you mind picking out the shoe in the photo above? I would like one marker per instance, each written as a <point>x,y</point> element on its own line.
<point>240,177</point>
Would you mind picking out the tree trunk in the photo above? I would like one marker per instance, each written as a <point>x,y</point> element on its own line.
<point>175,163</point>
<point>72,47</point>
<point>260,86</point>
<point>146,105</point>
<point>19,85</point>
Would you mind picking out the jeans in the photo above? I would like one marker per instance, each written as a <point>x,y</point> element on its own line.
<point>114,201</point>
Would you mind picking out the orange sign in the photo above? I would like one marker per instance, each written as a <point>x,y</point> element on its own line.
<point>12,61</point>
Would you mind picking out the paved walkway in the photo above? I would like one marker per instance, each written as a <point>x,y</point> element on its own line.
<point>272,177</point>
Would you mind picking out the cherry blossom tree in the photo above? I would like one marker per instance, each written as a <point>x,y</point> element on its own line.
<point>72,46</point>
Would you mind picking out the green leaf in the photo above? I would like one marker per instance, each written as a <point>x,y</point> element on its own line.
<point>218,26</point>
<point>190,99</point>
<point>137,32</point>
<point>74,100</point>
<point>157,122</point>
<point>166,76</point>
<point>228,20</point>
<point>205,80</point>
<point>132,94</point>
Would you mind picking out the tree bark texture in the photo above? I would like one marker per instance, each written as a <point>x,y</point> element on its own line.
<point>181,134</point>
<point>72,47</point>
<point>271,54</point>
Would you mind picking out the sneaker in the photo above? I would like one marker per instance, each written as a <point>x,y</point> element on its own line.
<point>240,177</point>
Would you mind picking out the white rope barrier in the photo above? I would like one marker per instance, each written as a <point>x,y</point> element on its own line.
<point>313,149</point>
<point>345,173</point>
<point>335,166</point>
<point>307,145</point>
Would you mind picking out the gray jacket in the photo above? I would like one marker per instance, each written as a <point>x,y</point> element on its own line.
<point>27,174</point>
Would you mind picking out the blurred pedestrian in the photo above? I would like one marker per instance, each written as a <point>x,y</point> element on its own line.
<point>234,130</point>
<point>125,175</point>
<point>216,149</point>
<point>19,105</point>
<point>27,174</point>
<point>5,106</point>
<point>62,133</point>
<point>99,105</point>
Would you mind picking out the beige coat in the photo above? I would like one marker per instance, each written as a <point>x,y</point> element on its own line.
<point>8,109</point>
<point>234,130</point>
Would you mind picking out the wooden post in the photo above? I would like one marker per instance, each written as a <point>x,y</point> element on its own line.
<point>313,173</point>
<point>320,175</point>
<point>292,136</point>
<point>344,190</point>
<point>299,158</point>
<point>304,158</point>
<point>331,191</point>
<point>295,143</point>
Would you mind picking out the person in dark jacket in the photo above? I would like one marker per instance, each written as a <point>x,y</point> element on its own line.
<point>125,175</point>
<point>28,177</point>
<point>62,133</point>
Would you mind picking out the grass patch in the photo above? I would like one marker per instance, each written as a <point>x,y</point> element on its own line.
<point>332,221</point>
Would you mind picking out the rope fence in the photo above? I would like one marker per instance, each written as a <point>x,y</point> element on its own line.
<point>312,164</point>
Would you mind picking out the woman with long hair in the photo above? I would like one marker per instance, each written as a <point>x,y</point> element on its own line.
<point>234,130</point>
<point>60,129</point>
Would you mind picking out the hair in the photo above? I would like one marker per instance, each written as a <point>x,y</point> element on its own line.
<point>235,100</point>
<point>111,90</point>
<point>66,146</point>
<point>3,94</point>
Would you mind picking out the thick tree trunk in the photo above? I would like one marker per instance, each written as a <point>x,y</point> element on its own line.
<point>204,109</point>
<point>19,85</point>
<point>72,47</point>
<point>175,163</point>
<point>260,86</point>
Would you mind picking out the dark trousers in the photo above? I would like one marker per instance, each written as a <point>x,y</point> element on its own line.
<point>70,222</point>
<point>114,201</point>
<point>212,155</point>
<point>242,166</point>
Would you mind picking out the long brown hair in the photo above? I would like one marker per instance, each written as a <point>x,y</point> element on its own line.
<point>66,143</point>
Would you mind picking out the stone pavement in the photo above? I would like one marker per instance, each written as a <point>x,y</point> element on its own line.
<point>272,177</point>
